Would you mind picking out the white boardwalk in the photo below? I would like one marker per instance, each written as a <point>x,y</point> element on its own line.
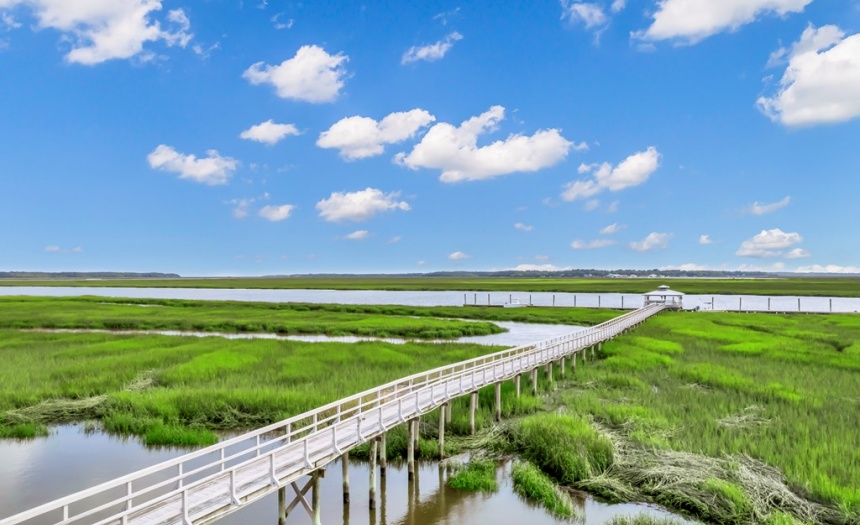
<point>205,485</point>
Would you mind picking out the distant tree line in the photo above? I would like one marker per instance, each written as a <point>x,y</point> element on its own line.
<point>575,273</point>
<point>87,275</point>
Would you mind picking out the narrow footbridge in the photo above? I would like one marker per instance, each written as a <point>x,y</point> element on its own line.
<point>203,486</point>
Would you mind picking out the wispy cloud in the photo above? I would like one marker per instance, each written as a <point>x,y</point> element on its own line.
<point>523,227</point>
<point>431,52</point>
<point>758,208</point>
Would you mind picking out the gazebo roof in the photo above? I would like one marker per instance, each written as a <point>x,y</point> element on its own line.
<point>665,291</point>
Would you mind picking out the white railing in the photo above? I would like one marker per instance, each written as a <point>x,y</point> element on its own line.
<point>206,484</point>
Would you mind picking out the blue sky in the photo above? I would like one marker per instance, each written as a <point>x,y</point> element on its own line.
<point>252,137</point>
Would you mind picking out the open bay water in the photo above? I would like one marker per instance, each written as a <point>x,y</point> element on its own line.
<point>759,303</point>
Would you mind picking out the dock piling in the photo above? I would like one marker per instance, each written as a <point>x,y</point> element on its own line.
<point>344,467</point>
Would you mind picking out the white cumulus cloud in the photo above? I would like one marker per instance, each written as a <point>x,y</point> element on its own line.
<point>458,256</point>
<point>705,239</point>
<point>431,52</point>
<point>653,241</point>
<point>276,213</point>
<point>592,245</point>
<point>523,227</point>
<point>758,208</point>
<point>361,137</point>
<point>688,267</point>
<point>821,81</point>
<point>269,132</point>
<point>455,151</point>
<point>768,243</point>
<point>359,205</point>
<point>798,253</point>
<point>312,75</point>
<point>829,268</point>
<point>102,30</point>
<point>212,169</point>
<point>694,20</point>
<point>632,171</point>
<point>539,268</point>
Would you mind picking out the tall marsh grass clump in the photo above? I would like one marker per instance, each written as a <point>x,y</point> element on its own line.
<point>477,475</point>
<point>531,483</point>
<point>564,446</point>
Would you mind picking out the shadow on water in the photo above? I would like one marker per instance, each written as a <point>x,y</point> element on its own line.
<point>36,471</point>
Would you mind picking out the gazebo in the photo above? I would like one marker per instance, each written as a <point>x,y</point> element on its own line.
<point>663,295</point>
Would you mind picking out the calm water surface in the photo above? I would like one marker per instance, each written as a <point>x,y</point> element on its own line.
<point>517,334</point>
<point>37,471</point>
<point>607,300</point>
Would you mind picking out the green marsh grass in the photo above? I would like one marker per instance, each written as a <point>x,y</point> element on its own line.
<point>564,446</point>
<point>208,383</point>
<point>477,475</point>
<point>530,482</point>
<point>237,317</point>
<point>684,387</point>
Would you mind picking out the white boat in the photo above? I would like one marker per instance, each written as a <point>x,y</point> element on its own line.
<point>515,303</point>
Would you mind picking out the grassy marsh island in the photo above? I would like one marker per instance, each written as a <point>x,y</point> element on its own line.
<point>410,322</point>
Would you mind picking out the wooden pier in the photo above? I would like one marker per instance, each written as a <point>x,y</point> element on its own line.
<point>290,456</point>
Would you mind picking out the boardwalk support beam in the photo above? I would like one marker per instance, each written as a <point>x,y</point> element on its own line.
<point>410,450</point>
<point>373,452</point>
<point>442,410</point>
<point>498,402</point>
<point>473,406</point>
<point>344,464</point>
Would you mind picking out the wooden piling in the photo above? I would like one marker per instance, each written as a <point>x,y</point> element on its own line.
<point>315,499</point>
<point>498,402</point>
<point>417,431</point>
<point>473,406</point>
<point>282,506</point>
<point>534,373</point>
<point>549,372</point>
<point>383,454</point>
<point>442,410</point>
<point>373,454</point>
<point>573,362</point>
<point>517,384</point>
<point>410,450</point>
<point>562,367</point>
<point>344,467</point>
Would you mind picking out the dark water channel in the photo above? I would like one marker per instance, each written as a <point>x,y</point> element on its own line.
<point>33,472</point>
